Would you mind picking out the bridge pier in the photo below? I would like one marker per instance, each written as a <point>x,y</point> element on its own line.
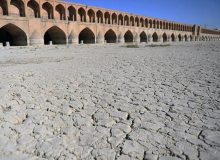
<point>150,38</point>
<point>160,39</point>
<point>137,39</point>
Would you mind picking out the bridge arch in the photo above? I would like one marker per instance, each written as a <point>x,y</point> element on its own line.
<point>143,37</point>
<point>82,14</point>
<point>72,13</point>
<point>48,10</point>
<point>185,37</point>
<point>172,37</point>
<point>110,36</point>
<point>120,19</point>
<point>18,7</point>
<point>142,22</point>
<point>137,22</point>
<point>165,38</point>
<point>155,37</point>
<point>56,35</point>
<point>179,37</point>
<point>107,18</point>
<point>128,37</point>
<point>13,34</point>
<point>33,9</point>
<point>132,21</point>
<point>61,11</point>
<point>87,36</point>
<point>114,18</point>
<point>3,7</point>
<point>146,23</point>
<point>99,15</point>
<point>91,15</point>
<point>126,20</point>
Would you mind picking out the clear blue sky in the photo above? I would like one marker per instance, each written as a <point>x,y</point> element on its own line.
<point>203,12</point>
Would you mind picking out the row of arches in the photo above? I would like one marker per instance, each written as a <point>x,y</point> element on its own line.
<point>17,37</point>
<point>83,14</point>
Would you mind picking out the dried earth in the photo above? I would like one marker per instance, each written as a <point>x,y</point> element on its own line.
<point>110,102</point>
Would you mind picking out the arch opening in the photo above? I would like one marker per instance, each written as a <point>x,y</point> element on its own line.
<point>120,20</point>
<point>87,36</point>
<point>165,37</point>
<point>99,15</point>
<point>91,15</point>
<point>33,9</point>
<point>180,37</point>
<point>13,34</point>
<point>107,18</point>
<point>48,10</point>
<point>186,38</point>
<point>110,36</point>
<point>132,20</point>
<point>172,37</point>
<point>114,18</point>
<point>151,23</point>
<point>126,20</point>
<point>61,11</point>
<point>19,4</point>
<point>142,22</point>
<point>71,13</point>
<point>82,14</point>
<point>137,22</point>
<point>128,37</point>
<point>146,23</point>
<point>3,7</point>
<point>191,38</point>
<point>155,37</point>
<point>56,35</point>
<point>143,37</point>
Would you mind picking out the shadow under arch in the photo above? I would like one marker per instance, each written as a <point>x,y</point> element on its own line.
<point>143,37</point>
<point>13,34</point>
<point>165,38</point>
<point>56,35</point>
<point>155,37</point>
<point>87,36</point>
<point>128,37</point>
<point>110,36</point>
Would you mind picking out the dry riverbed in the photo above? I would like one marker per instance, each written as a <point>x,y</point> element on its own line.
<point>110,102</point>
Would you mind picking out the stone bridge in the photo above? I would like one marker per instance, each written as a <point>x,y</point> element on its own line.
<point>39,22</point>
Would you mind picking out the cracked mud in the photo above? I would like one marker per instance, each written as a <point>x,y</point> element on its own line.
<point>111,102</point>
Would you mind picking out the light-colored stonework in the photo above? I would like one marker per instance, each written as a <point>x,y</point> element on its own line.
<point>37,22</point>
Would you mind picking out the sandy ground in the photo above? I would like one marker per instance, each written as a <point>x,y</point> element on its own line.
<point>110,102</point>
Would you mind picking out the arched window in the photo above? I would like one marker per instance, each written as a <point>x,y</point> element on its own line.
<point>126,20</point>
<point>61,11</point>
<point>72,14</point>
<point>132,20</point>
<point>142,22</point>
<point>107,18</point>
<point>3,7</point>
<point>17,7</point>
<point>33,9</point>
<point>137,22</point>
<point>99,15</point>
<point>146,23</point>
<point>120,20</point>
<point>82,14</point>
<point>48,10</point>
<point>114,18</point>
<point>91,15</point>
